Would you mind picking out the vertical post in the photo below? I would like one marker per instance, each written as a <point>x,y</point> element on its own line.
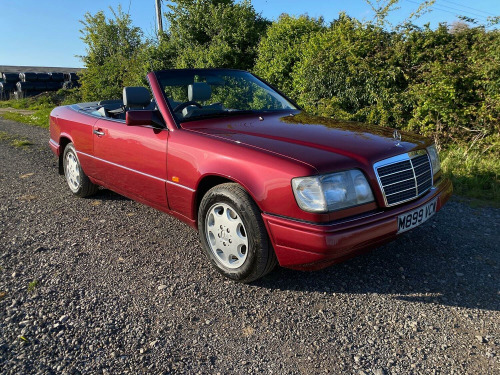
<point>158,17</point>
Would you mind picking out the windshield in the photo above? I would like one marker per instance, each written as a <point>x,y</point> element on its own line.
<point>194,94</point>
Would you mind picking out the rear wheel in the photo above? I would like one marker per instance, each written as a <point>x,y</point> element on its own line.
<point>233,234</point>
<point>77,180</point>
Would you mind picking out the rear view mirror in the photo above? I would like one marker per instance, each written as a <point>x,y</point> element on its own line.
<point>143,117</point>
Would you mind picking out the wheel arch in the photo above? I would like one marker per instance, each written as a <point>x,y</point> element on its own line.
<point>63,142</point>
<point>207,182</point>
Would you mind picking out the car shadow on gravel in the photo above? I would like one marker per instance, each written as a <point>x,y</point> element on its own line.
<point>431,264</point>
<point>108,195</point>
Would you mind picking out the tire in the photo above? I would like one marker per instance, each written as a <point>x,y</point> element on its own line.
<point>77,180</point>
<point>233,234</point>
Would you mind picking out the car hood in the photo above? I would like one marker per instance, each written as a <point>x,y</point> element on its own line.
<point>323,143</point>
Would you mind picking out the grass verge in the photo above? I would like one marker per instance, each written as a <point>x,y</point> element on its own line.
<point>39,118</point>
<point>474,173</point>
<point>41,104</point>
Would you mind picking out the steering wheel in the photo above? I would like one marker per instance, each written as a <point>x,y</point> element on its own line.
<point>181,106</point>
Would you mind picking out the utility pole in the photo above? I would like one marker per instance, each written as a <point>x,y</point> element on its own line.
<point>158,17</point>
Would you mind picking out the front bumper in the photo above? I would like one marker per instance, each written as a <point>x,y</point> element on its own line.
<point>309,246</point>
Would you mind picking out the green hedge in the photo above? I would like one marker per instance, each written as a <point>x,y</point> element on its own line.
<point>442,83</point>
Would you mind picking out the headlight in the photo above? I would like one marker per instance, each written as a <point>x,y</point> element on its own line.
<point>332,192</point>
<point>434,156</point>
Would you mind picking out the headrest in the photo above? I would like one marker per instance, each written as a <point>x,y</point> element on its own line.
<point>136,97</point>
<point>199,92</point>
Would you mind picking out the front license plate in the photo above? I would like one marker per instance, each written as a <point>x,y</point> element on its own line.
<point>416,217</point>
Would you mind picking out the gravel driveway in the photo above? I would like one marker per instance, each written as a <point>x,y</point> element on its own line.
<point>107,285</point>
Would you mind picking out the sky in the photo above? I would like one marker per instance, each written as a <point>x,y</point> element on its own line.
<point>46,32</point>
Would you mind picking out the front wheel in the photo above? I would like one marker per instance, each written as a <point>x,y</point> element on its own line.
<point>77,180</point>
<point>233,234</point>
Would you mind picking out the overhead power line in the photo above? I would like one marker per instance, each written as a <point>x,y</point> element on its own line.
<point>465,12</point>
<point>465,6</point>
<point>456,12</point>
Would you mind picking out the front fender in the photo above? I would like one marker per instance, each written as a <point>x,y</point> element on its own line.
<point>264,175</point>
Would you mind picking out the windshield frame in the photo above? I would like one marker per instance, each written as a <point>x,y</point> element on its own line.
<point>202,71</point>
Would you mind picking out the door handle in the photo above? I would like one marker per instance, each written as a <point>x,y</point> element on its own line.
<point>99,133</point>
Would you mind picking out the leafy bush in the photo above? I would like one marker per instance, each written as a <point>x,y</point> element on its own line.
<point>346,72</point>
<point>454,93</point>
<point>443,83</point>
<point>282,47</point>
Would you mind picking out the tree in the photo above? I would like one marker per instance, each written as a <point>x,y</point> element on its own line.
<point>212,33</point>
<point>113,54</point>
<point>383,8</point>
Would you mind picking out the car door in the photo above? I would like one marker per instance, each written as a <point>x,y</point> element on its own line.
<point>132,160</point>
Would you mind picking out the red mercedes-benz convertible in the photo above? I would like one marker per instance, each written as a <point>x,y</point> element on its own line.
<point>262,181</point>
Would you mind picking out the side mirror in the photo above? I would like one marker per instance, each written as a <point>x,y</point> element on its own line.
<point>143,117</point>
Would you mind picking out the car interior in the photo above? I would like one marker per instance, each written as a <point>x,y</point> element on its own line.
<point>198,92</point>
<point>195,95</point>
<point>140,98</point>
<point>133,98</point>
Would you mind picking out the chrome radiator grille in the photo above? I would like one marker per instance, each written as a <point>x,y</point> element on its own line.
<point>404,177</point>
